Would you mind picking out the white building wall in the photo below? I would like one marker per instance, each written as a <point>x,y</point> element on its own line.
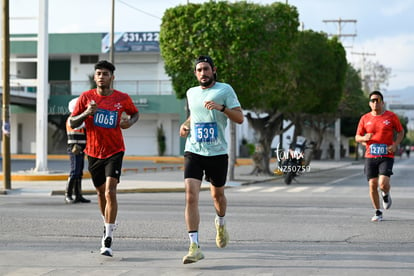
<point>141,138</point>
<point>173,141</point>
<point>131,67</point>
<point>12,70</point>
<point>28,135</point>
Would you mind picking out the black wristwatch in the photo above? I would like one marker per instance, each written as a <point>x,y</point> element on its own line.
<point>224,107</point>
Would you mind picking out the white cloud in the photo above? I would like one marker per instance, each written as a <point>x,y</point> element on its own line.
<point>395,52</point>
<point>396,7</point>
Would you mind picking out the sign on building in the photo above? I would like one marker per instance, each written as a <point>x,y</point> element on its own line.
<point>132,42</point>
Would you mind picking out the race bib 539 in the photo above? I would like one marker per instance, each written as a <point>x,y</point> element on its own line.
<point>206,132</point>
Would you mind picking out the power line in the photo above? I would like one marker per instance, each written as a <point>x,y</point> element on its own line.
<point>341,22</point>
<point>363,54</point>
<point>137,9</point>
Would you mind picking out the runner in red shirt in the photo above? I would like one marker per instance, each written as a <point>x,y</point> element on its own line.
<point>376,131</point>
<point>101,109</point>
<point>102,129</point>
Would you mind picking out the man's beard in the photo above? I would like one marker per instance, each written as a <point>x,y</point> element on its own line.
<point>206,83</point>
<point>103,86</point>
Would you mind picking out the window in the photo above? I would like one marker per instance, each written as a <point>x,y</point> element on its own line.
<point>89,59</point>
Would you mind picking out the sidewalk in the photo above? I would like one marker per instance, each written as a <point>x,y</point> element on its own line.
<point>168,178</point>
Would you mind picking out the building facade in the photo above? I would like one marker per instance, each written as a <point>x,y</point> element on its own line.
<point>139,72</point>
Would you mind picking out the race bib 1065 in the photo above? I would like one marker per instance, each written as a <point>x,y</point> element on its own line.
<point>206,132</point>
<point>105,118</point>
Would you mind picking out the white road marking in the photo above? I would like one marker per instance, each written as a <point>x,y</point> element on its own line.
<point>322,189</point>
<point>343,178</point>
<point>273,189</point>
<point>250,189</point>
<point>297,189</point>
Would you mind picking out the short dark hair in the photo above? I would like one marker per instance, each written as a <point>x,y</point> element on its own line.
<point>376,93</point>
<point>207,59</point>
<point>104,64</point>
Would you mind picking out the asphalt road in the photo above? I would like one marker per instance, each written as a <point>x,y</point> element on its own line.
<point>319,225</point>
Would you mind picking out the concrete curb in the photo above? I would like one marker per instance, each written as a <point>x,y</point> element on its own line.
<point>178,162</point>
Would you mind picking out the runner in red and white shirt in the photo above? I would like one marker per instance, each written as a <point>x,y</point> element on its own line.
<point>376,130</point>
<point>103,130</point>
<point>101,109</point>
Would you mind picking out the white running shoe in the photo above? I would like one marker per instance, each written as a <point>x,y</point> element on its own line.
<point>106,247</point>
<point>377,217</point>
<point>386,200</point>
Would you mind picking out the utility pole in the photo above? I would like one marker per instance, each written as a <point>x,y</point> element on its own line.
<point>363,54</point>
<point>42,96</point>
<point>6,97</point>
<point>362,76</point>
<point>340,22</point>
<point>112,50</point>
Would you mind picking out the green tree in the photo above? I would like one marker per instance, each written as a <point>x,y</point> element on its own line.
<point>319,74</point>
<point>250,44</point>
<point>353,103</point>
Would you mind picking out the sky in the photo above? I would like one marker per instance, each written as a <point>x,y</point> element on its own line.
<point>384,29</point>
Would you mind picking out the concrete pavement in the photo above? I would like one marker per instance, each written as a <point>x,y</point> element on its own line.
<point>168,178</point>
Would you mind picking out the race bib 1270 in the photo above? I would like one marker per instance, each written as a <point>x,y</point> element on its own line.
<point>206,132</point>
<point>105,118</point>
<point>378,149</point>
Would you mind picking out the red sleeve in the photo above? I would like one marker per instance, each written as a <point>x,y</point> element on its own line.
<point>361,127</point>
<point>397,124</point>
<point>130,108</point>
<point>80,105</point>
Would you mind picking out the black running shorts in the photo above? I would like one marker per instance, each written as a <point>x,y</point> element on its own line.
<point>102,168</point>
<point>214,168</point>
<point>378,166</point>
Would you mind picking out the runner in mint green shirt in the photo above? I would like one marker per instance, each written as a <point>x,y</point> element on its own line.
<point>207,135</point>
<point>210,105</point>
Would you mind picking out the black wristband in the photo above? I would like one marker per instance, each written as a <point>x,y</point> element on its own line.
<point>224,107</point>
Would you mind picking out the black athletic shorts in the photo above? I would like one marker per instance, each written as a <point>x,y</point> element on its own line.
<point>102,168</point>
<point>378,166</point>
<point>214,168</point>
